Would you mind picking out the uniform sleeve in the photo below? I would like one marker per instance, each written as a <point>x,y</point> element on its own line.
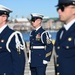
<point>47,41</point>
<point>18,57</point>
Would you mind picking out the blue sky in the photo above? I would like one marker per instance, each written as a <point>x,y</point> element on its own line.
<point>25,7</point>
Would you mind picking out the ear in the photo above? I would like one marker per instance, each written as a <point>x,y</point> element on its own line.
<point>74,11</point>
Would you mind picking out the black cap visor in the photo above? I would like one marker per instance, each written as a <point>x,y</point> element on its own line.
<point>35,18</point>
<point>4,13</point>
<point>66,4</point>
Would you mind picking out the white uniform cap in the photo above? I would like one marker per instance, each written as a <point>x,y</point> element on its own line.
<point>37,15</point>
<point>4,10</point>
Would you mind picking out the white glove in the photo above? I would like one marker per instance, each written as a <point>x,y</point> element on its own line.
<point>45,62</point>
<point>29,61</point>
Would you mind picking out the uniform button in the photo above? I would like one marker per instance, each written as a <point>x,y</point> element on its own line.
<point>58,47</point>
<point>39,54</point>
<point>67,47</point>
<point>2,41</point>
<point>0,47</point>
<point>58,73</point>
<point>57,65</point>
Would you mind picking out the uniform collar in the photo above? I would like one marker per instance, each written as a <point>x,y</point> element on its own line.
<point>38,28</point>
<point>2,28</point>
<point>67,26</point>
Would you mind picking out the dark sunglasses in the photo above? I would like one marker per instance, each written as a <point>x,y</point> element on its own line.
<point>62,7</point>
<point>35,18</point>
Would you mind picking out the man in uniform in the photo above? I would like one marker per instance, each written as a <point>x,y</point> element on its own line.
<point>65,39</point>
<point>40,46</point>
<point>12,58</point>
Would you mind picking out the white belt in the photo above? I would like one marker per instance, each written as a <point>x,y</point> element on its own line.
<point>37,47</point>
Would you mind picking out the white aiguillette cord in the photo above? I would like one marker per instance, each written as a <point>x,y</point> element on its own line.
<point>18,44</point>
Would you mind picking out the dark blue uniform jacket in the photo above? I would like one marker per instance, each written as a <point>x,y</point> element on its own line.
<point>38,55</point>
<point>65,49</point>
<point>11,63</point>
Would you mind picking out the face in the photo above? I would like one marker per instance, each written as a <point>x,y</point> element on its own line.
<point>36,23</point>
<point>66,13</point>
<point>2,20</point>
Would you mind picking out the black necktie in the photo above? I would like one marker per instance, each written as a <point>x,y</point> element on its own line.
<point>64,31</point>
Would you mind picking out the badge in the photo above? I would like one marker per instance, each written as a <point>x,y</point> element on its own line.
<point>38,36</point>
<point>48,41</point>
<point>2,41</point>
<point>70,39</point>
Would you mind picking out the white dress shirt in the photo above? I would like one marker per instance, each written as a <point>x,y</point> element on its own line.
<point>67,26</point>
<point>38,28</point>
<point>2,28</point>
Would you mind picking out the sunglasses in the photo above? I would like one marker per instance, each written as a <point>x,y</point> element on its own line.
<point>35,18</point>
<point>62,7</point>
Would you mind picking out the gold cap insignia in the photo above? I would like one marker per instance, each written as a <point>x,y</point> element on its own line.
<point>69,39</point>
<point>73,2</point>
<point>2,41</point>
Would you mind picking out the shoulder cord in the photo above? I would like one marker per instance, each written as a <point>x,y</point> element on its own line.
<point>48,35</point>
<point>18,44</point>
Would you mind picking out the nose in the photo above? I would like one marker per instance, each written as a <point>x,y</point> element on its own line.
<point>59,11</point>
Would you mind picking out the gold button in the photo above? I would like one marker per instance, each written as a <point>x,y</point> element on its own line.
<point>2,41</point>
<point>69,39</point>
<point>58,73</point>
<point>67,47</point>
<point>57,65</point>
<point>58,47</point>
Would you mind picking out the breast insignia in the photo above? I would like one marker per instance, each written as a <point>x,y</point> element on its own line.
<point>38,36</point>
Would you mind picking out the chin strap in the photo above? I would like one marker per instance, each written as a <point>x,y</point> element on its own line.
<point>19,46</point>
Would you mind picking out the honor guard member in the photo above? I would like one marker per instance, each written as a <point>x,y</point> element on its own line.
<point>40,46</point>
<point>12,57</point>
<point>65,39</point>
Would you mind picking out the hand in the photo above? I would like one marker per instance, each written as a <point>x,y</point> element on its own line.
<point>45,62</point>
<point>28,61</point>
